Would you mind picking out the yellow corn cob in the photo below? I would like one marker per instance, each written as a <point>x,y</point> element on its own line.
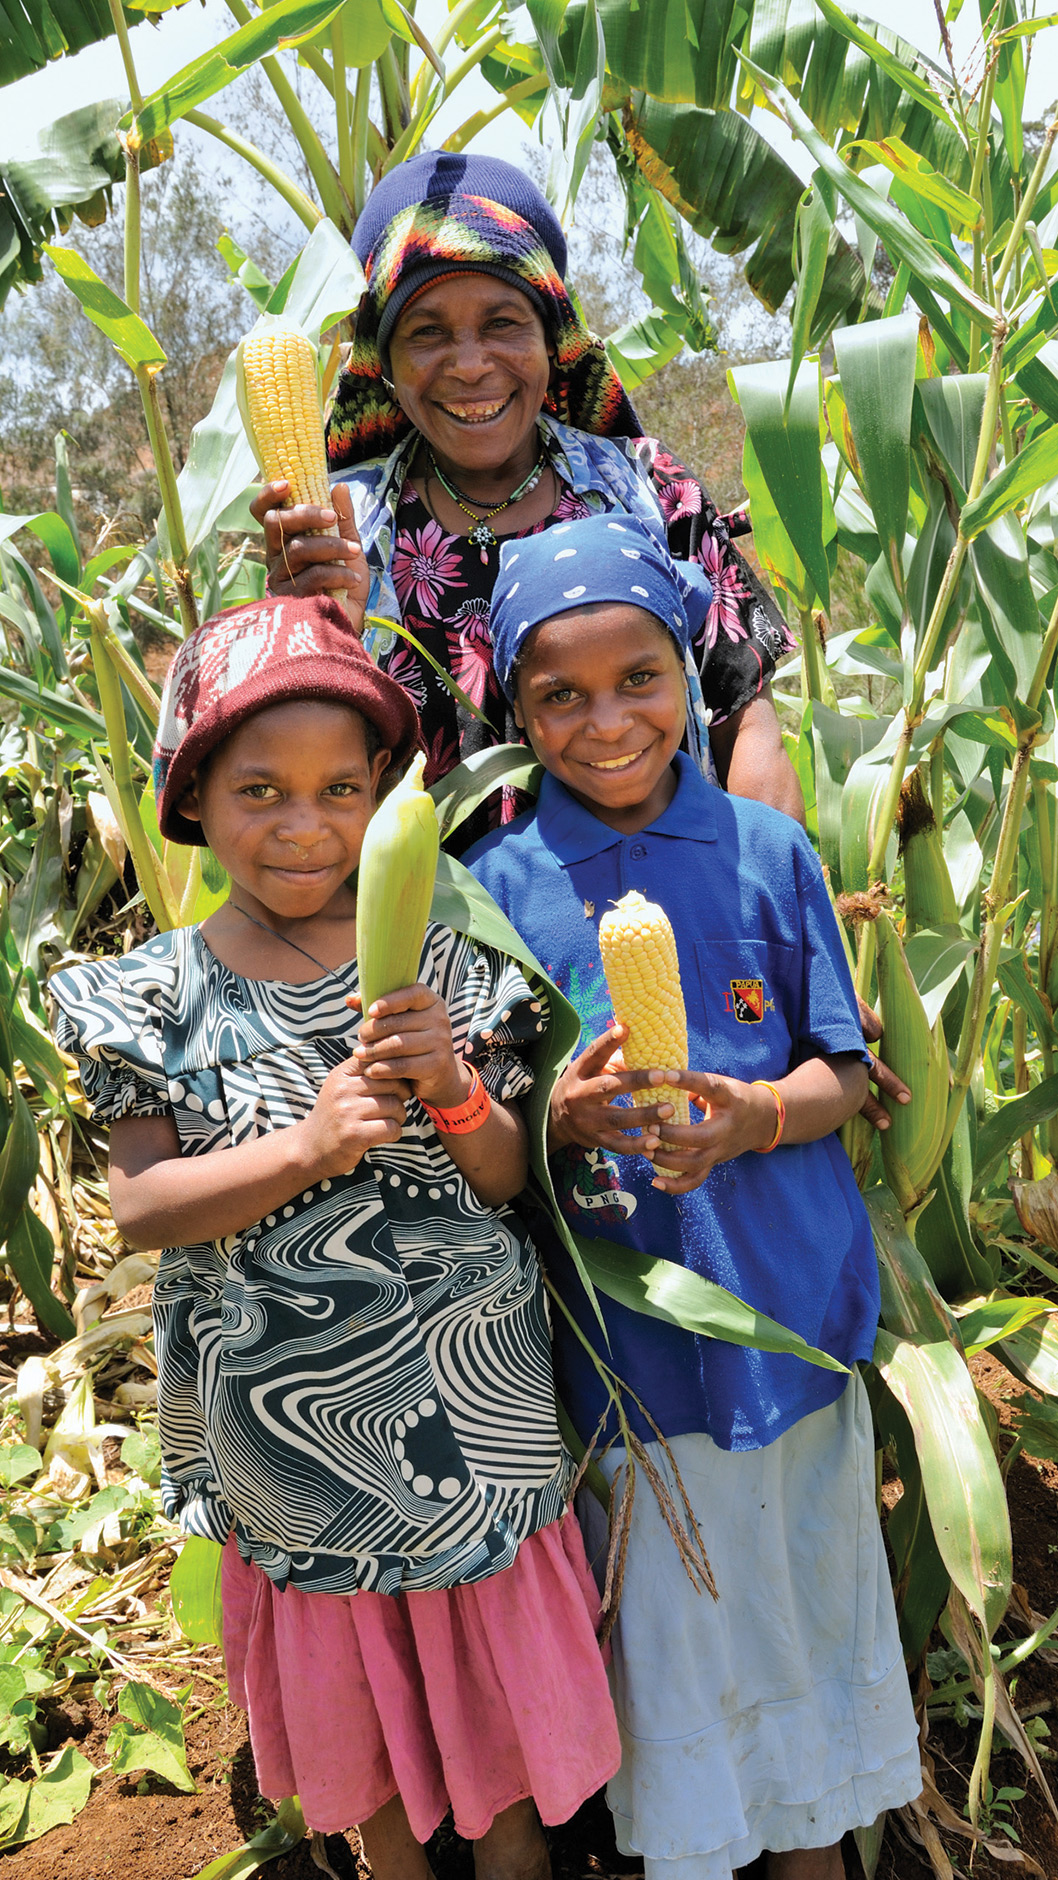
<point>911,1145</point>
<point>279,399</point>
<point>394,887</point>
<point>642,970</point>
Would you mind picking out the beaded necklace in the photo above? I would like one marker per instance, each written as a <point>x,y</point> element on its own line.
<point>481,535</point>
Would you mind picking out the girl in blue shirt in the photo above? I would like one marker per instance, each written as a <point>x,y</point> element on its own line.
<point>780,1717</point>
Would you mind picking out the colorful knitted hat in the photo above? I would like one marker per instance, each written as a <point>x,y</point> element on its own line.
<point>443,173</point>
<point>250,657</point>
<point>469,234</point>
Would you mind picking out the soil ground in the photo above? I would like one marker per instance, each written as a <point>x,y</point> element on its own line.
<point>149,1831</point>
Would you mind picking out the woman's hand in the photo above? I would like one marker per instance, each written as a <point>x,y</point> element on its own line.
<point>408,1035</point>
<point>582,1109</point>
<point>350,1116</point>
<point>300,562</point>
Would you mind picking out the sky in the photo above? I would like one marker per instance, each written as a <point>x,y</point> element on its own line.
<point>184,33</point>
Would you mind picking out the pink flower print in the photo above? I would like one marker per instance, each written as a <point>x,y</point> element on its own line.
<point>570,507</point>
<point>441,757</point>
<point>681,498</point>
<point>403,666</point>
<point>470,652</point>
<point>728,592</point>
<point>425,563</point>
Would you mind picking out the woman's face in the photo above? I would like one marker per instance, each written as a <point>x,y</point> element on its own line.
<point>471,362</point>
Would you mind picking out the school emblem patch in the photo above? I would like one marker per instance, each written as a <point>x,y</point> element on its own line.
<point>747,1000</point>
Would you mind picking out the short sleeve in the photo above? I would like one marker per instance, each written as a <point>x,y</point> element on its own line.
<point>497,1018</point>
<point>830,1019</point>
<point>109,1027</point>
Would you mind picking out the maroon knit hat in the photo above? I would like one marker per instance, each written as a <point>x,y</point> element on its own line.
<point>264,654</point>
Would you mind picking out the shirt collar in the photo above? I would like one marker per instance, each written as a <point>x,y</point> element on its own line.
<point>574,834</point>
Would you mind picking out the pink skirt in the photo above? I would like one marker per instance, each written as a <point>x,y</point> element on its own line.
<point>470,1699</point>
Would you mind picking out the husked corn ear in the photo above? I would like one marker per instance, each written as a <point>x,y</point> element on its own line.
<point>643,973</point>
<point>911,1145</point>
<point>394,887</point>
<point>279,399</point>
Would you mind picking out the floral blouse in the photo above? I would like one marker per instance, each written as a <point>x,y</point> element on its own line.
<point>360,1383</point>
<point>435,584</point>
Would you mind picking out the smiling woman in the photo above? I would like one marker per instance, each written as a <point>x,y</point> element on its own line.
<point>476,407</point>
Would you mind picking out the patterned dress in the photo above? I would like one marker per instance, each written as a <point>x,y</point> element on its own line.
<point>361,1381</point>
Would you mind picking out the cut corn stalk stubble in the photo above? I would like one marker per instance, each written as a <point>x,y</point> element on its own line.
<point>278,391</point>
<point>639,958</point>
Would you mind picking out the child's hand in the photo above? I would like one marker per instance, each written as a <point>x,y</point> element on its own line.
<point>350,1116</point>
<point>582,1110</point>
<point>738,1117</point>
<point>409,1035</point>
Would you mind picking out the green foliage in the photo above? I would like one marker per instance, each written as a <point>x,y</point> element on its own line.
<point>149,1736</point>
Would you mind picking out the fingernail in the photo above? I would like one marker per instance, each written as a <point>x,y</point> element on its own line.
<point>658,1183</point>
<point>656,1077</point>
<point>905,1097</point>
<point>328,515</point>
<point>882,1123</point>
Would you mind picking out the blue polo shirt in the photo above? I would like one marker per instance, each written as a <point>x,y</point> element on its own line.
<point>766,984</point>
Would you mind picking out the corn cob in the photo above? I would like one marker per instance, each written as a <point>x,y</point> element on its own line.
<point>394,887</point>
<point>911,1145</point>
<point>279,399</point>
<point>929,898</point>
<point>642,970</point>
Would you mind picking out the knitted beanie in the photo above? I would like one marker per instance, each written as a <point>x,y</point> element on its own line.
<point>442,173</point>
<point>250,657</point>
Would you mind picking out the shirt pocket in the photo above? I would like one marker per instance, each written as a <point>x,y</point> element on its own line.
<point>747,1001</point>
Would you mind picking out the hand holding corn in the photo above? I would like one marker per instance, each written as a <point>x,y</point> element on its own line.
<point>310,535</point>
<point>583,1110</point>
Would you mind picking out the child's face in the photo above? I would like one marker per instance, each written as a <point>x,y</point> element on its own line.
<point>602,696</point>
<point>284,804</point>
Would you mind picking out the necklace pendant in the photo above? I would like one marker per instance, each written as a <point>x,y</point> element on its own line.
<point>483,539</point>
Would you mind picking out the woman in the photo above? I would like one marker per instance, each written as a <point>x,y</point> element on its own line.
<point>476,406</point>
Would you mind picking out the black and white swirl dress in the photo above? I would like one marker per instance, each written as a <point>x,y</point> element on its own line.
<point>359,1383</point>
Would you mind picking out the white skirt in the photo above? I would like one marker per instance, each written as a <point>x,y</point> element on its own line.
<point>778,1716</point>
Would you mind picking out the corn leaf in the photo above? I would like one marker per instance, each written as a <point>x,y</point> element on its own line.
<point>457,795</point>
<point>786,443</point>
<point>195,1587</point>
<point>286,23</point>
<point>813,231</point>
<point>19,1153</point>
<point>877,367</point>
<point>277,1838</point>
<point>920,177</point>
<point>31,1257</point>
<point>986,1324</point>
<point>1014,1118</point>
<point>960,1476</point>
<point>130,335</point>
<point>665,1291</point>
<point>1032,1355</point>
<point>1017,481</point>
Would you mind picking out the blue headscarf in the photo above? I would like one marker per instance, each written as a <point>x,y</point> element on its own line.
<point>601,558</point>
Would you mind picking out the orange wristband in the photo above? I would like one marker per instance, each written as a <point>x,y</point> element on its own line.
<point>780,1115</point>
<point>463,1118</point>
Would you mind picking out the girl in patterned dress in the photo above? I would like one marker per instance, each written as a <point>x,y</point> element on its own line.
<point>355,1388</point>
